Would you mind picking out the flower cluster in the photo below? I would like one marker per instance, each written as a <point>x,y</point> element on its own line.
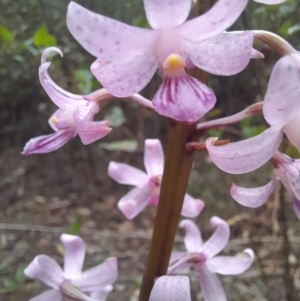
<point>126,59</point>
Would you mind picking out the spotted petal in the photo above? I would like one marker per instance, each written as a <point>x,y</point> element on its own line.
<point>126,58</point>
<point>221,16</point>
<point>290,175</point>
<point>246,155</point>
<point>183,98</point>
<point>231,265</point>
<point>252,197</point>
<point>89,131</point>
<point>282,100</point>
<point>164,13</point>
<point>171,288</point>
<point>227,53</point>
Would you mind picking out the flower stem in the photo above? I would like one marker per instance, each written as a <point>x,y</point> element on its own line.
<point>276,42</point>
<point>177,169</point>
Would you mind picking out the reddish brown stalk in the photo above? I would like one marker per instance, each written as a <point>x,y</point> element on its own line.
<point>201,146</point>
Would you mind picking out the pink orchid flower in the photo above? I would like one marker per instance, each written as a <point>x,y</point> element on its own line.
<point>128,57</point>
<point>281,109</point>
<point>74,116</point>
<point>282,101</point>
<point>287,170</point>
<point>95,282</point>
<point>171,288</point>
<point>202,256</point>
<point>147,184</point>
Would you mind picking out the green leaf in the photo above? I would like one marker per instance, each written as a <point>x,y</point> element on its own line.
<point>293,29</point>
<point>85,80</point>
<point>5,34</point>
<point>42,38</point>
<point>76,226</point>
<point>285,27</point>
<point>122,145</point>
<point>252,131</point>
<point>115,117</point>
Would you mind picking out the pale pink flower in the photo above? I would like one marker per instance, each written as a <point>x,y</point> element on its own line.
<point>282,101</point>
<point>287,170</point>
<point>171,288</point>
<point>281,109</point>
<point>128,57</point>
<point>94,282</point>
<point>147,183</point>
<point>74,116</point>
<point>202,257</point>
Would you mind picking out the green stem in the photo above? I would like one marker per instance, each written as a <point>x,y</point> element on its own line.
<point>177,169</point>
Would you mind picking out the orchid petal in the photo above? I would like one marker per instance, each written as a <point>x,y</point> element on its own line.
<point>45,269</point>
<point>227,53</point>
<point>175,256</point>
<point>231,265</point>
<point>101,295</point>
<point>47,143</point>
<point>154,157</point>
<point>126,57</point>
<point>89,131</point>
<point>290,175</point>
<point>171,288</point>
<point>252,197</point>
<point>296,206</point>
<point>255,54</point>
<point>105,38</point>
<point>163,13</point>
<point>291,129</point>
<point>50,295</point>
<point>128,76</point>
<point>211,286</point>
<point>246,155</point>
<point>179,261</point>
<point>270,2</point>
<point>126,174</point>
<point>60,97</point>
<point>281,103</point>
<point>183,98</point>
<point>135,201</point>
<point>191,207</point>
<point>98,277</point>
<point>192,239</point>
<point>218,240</point>
<point>221,16</point>
<point>74,255</point>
